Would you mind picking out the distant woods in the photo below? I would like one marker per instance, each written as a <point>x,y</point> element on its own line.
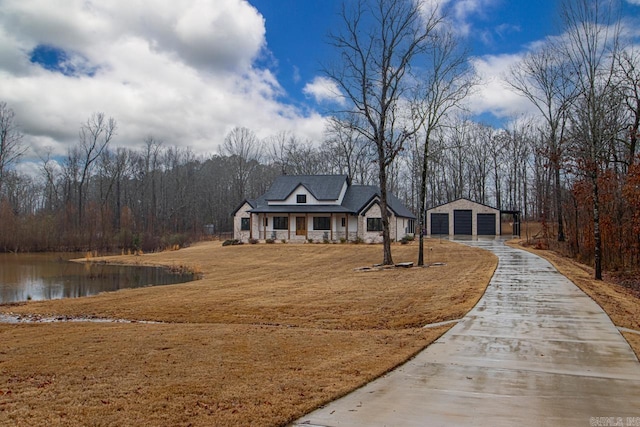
<point>104,197</point>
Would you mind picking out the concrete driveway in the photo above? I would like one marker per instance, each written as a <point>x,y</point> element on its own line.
<point>535,351</point>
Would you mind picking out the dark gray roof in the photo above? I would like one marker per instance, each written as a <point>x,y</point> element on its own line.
<point>398,207</point>
<point>356,199</point>
<point>254,203</point>
<point>322,187</point>
<point>359,197</point>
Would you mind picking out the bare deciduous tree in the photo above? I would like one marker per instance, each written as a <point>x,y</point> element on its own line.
<point>542,77</point>
<point>628,69</point>
<point>245,152</point>
<point>591,46</point>
<point>277,150</point>
<point>302,158</point>
<point>349,151</point>
<point>447,82</point>
<point>378,47</point>
<point>95,135</point>
<point>11,148</point>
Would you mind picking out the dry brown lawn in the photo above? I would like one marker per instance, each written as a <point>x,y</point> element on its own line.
<point>269,333</point>
<point>620,303</point>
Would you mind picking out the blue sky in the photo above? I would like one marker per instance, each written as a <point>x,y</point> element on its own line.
<point>296,36</point>
<point>297,29</point>
<point>186,72</point>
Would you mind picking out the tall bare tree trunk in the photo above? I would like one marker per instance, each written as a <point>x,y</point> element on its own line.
<point>387,259</point>
<point>597,253</point>
<point>380,43</point>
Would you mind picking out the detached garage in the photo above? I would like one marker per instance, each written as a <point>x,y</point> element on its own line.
<point>463,217</point>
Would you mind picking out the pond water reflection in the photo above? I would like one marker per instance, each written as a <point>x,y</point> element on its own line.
<point>26,277</point>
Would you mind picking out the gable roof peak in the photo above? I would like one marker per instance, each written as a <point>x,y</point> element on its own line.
<point>322,187</point>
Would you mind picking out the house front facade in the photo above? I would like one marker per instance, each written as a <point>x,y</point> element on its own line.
<point>299,208</point>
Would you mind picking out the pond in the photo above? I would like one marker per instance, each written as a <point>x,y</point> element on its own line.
<point>25,277</point>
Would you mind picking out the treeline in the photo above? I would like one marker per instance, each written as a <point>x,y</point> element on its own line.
<point>148,199</point>
<point>99,197</point>
<point>586,87</point>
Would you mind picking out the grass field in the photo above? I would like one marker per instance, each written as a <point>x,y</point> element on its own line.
<point>269,333</point>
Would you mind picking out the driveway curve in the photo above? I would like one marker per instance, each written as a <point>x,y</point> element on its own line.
<point>535,351</point>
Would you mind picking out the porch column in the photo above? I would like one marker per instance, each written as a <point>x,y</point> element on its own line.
<point>331,227</point>
<point>396,239</point>
<point>346,226</point>
<point>289,226</point>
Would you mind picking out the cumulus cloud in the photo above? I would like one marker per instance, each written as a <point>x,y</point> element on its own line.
<point>181,70</point>
<point>493,94</point>
<point>323,89</point>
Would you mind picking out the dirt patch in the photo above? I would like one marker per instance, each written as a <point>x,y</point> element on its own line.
<point>270,333</point>
<point>619,302</point>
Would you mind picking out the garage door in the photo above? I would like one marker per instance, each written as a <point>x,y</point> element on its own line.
<point>486,224</point>
<point>462,222</point>
<point>439,223</point>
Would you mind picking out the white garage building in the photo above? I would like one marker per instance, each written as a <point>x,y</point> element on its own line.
<point>463,217</point>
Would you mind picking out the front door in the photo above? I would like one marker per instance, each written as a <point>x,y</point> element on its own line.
<point>301,226</point>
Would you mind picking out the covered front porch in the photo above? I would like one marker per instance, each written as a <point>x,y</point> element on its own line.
<point>303,227</point>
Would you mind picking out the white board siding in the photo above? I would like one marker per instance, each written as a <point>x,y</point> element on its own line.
<point>396,226</point>
<point>238,233</point>
<point>402,226</point>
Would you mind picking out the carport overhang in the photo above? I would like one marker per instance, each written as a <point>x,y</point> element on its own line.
<point>516,220</point>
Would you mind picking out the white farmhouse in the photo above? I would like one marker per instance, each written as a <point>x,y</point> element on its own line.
<point>320,207</point>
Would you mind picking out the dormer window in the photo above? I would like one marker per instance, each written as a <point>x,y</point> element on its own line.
<point>301,198</point>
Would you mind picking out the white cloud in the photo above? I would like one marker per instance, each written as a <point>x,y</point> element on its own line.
<point>180,70</point>
<point>296,74</point>
<point>458,12</point>
<point>493,95</point>
<point>323,89</point>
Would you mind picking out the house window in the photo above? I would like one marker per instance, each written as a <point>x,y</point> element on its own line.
<point>280,223</point>
<point>321,223</point>
<point>301,198</point>
<point>245,224</point>
<point>344,221</point>
<point>266,221</point>
<point>374,224</point>
<point>411,228</point>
